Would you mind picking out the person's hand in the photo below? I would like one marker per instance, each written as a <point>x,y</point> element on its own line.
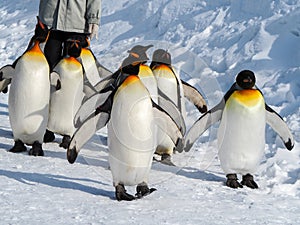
<point>93,30</point>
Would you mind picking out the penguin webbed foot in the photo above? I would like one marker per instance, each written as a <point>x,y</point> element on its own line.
<point>166,159</point>
<point>232,181</point>
<point>65,142</point>
<point>19,146</point>
<point>5,90</point>
<point>48,136</point>
<point>121,194</point>
<point>143,190</point>
<point>36,149</point>
<point>249,181</point>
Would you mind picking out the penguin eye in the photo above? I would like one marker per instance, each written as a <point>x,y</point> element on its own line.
<point>135,55</point>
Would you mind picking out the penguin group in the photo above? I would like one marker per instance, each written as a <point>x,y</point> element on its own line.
<point>143,107</point>
<point>43,102</point>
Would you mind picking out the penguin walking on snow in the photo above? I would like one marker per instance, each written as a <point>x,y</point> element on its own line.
<point>132,117</point>
<point>131,132</point>
<point>28,103</point>
<point>171,87</point>
<point>67,94</point>
<point>241,135</point>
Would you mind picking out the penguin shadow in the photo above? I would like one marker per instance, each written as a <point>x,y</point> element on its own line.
<point>3,105</point>
<point>293,176</point>
<point>5,147</point>
<point>6,133</point>
<point>58,181</point>
<point>197,174</point>
<point>3,113</point>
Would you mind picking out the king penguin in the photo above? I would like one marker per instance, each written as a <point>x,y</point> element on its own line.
<point>171,87</point>
<point>28,101</point>
<point>67,93</point>
<point>243,115</point>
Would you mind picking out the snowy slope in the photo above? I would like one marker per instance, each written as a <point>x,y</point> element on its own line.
<point>210,41</point>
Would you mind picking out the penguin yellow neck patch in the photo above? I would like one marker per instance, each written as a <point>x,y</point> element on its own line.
<point>130,79</point>
<point>35,49</point>
<point>163,71</point>
<point>248,97</point>
<point>145,71</point>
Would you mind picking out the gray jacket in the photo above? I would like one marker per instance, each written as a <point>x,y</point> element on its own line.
<point>70,15</point>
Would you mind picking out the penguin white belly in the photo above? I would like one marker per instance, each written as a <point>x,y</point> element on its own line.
<point>241,136</point>
<point>131,140</point>
<point>29,99</point>
<point>167,84</point>
<point>65,102</point>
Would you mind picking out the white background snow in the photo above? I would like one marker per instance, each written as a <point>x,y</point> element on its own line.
<point>210,41</point>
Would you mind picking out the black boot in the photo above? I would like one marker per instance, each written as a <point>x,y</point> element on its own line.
<point>18,147</point>
<point>249,181</point>
<point>49,136</point>
<point>232,181</point>
<point>65,142</point>
<point>36,149</point>
<point>122,195</point>
<point>143,190</point>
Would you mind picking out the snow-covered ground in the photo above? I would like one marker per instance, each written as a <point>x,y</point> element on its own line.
<point>210,41</point>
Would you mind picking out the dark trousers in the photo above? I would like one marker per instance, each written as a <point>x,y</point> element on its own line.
<point>54,49</point>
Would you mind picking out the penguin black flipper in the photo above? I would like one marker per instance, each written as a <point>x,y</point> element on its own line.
<point>87,129</point>
<point>280,127</point>
<point>202,124</point>
<point>169,107</point>
<point>165,122</point>
<point>194,96</point>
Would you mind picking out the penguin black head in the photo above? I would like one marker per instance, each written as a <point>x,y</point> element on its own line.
<point>130,65</point>
<point>73,48</point>
<point>139,52</point>
<point>246,79</point>
<point>41,31</point>
<point>161,56</point>
<point>137,55</point>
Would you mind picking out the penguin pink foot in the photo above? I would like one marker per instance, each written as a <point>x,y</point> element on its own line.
<point>18,147</point>
<point>232,181</point>
<point>249,181</point>
<point>36,149</point>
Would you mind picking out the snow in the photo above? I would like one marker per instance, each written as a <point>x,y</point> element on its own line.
<point>210,41</point>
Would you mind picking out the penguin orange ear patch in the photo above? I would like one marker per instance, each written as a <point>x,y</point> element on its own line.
<point>135,55</point>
